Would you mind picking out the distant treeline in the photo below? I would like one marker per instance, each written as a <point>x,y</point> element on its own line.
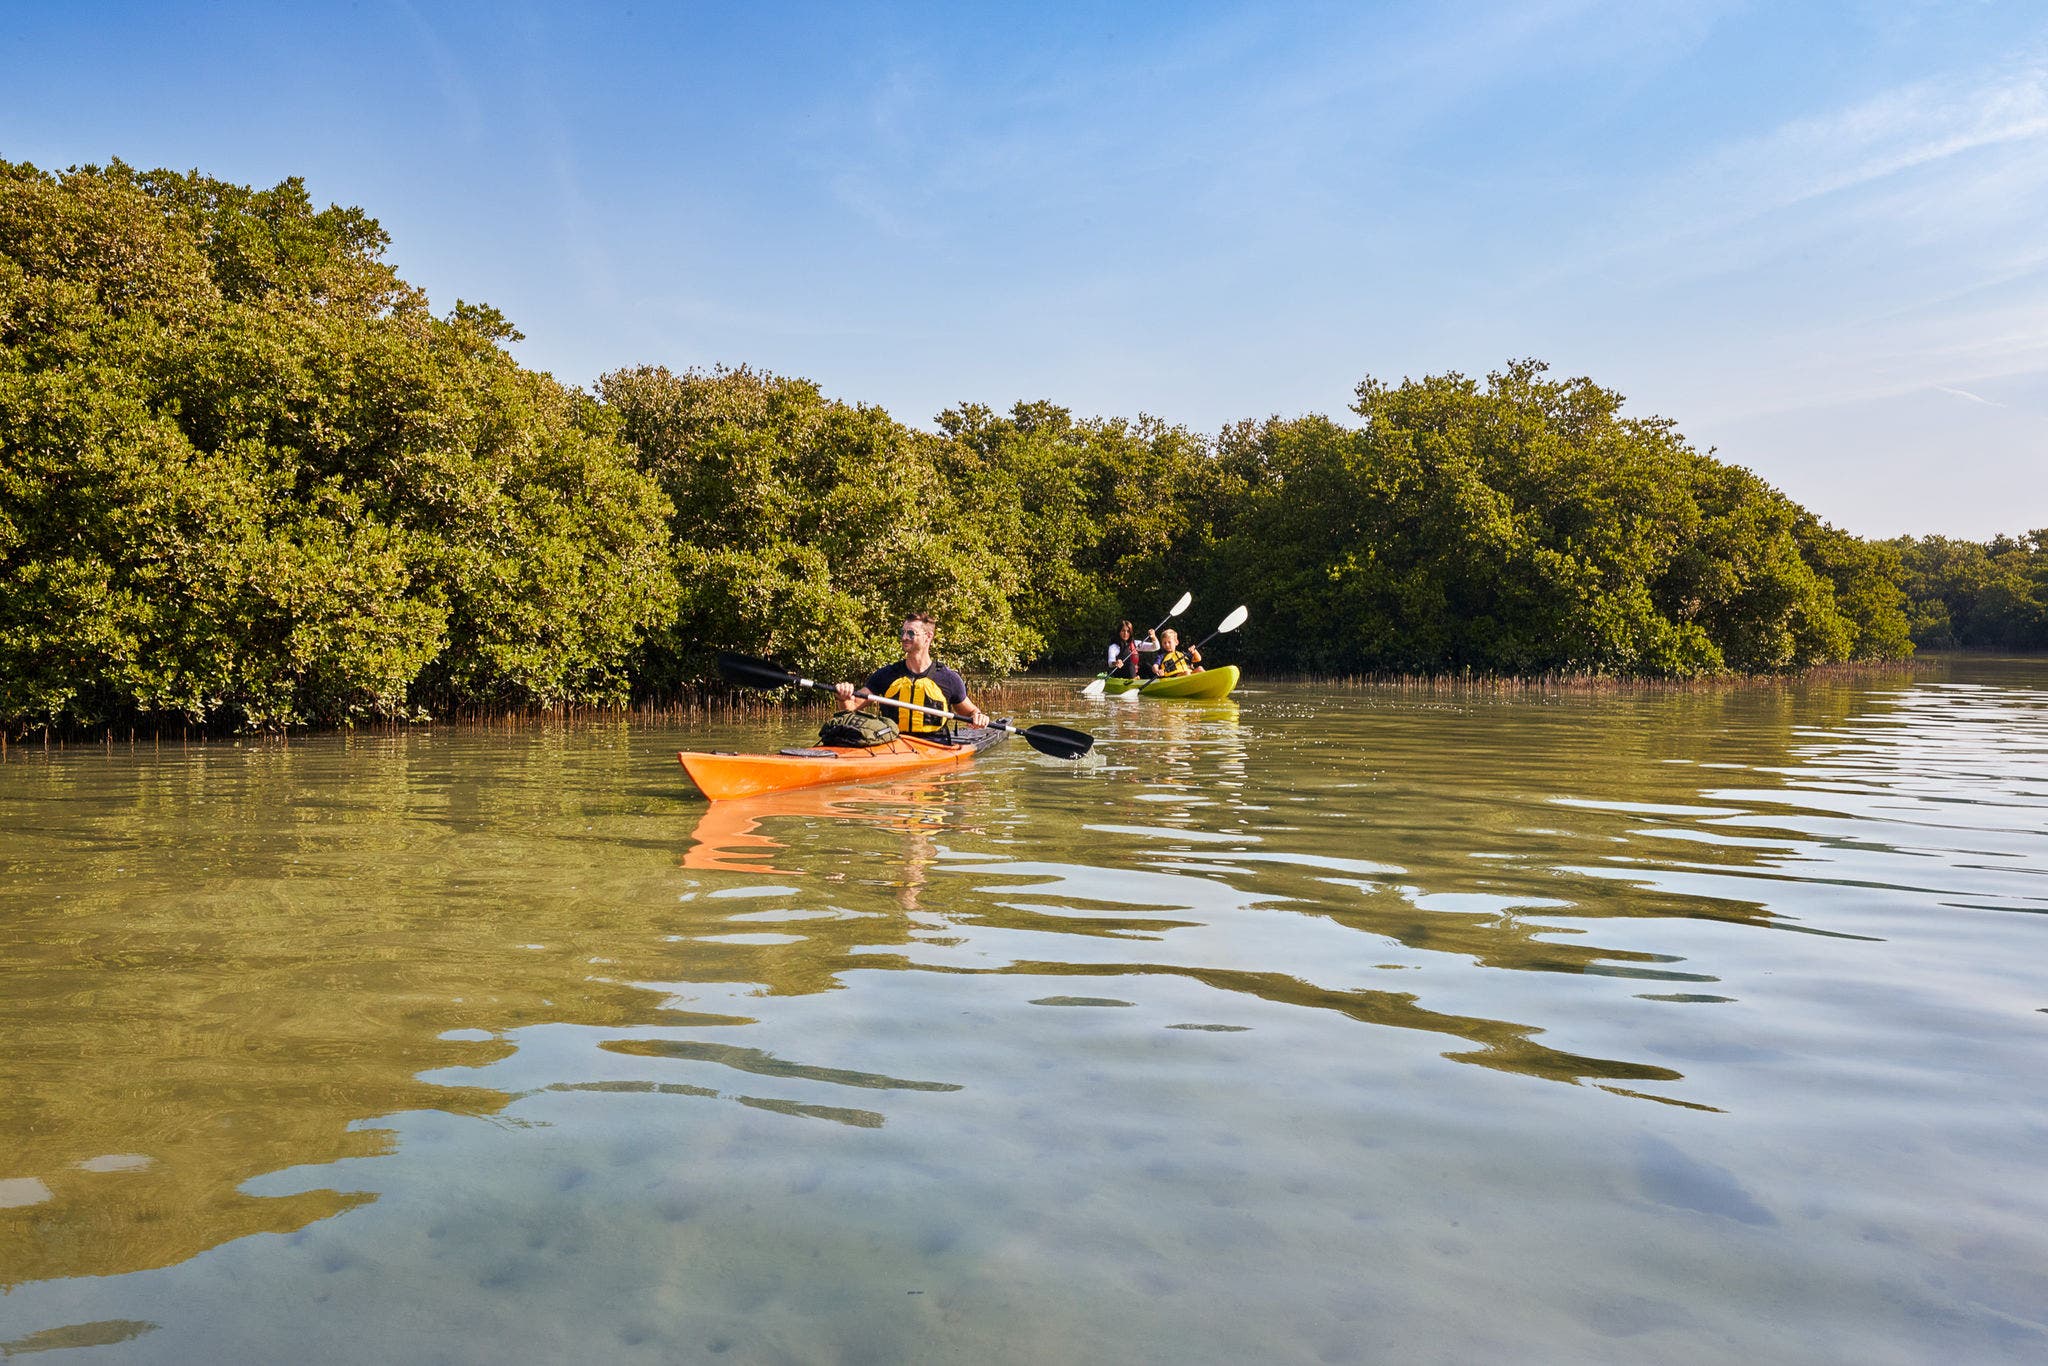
<point>1963,595</point>
<point>247,478</point>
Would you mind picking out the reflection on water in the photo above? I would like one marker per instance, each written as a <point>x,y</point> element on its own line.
<point>488,1043</point>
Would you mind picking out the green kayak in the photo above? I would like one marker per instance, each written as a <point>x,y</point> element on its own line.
<point>1207,683</point>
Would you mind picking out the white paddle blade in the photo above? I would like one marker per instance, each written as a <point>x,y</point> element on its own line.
<point>1180,606</point>
<point>1095,686</point>
<point>1233,621</point>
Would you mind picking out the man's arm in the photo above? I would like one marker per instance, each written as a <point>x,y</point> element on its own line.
<point>962,704</point>
<point>852,698</point>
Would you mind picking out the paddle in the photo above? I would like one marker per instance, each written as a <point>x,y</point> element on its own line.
<point>1229,623</point>
<point>1057,741</point>
<point>1178,608</point>
<point>1096,685</point>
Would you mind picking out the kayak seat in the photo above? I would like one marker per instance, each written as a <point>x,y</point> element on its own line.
<point>811,753</point>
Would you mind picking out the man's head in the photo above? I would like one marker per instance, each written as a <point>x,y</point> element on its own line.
<point>919,630</point>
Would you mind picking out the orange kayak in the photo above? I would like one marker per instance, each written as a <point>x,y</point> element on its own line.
<point>722,776</point>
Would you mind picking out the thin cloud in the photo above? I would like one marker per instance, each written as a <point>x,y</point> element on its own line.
<point>1896,132</point>
<point>1923,125</point>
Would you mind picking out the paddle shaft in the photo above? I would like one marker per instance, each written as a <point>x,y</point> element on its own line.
<point>1229,623</point>
<point>1178,608</point>
<point>892,702</point>
<point>1058,741</point>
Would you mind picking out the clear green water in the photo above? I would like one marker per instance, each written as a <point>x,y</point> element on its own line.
<point>1307,1027</point>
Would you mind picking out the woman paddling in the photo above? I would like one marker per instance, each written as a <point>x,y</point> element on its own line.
<point>1124,651</point>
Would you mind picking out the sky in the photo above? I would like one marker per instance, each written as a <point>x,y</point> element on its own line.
<point>1814,235</point>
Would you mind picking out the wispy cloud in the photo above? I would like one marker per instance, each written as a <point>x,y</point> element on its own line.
<point>1751,198</point>
<point>1884,247</point>
<point>1242,117</point>
<point>1898,131</point>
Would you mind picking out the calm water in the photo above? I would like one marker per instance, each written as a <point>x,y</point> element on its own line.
<point>1370,1026</point>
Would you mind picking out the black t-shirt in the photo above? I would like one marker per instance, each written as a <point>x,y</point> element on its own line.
<point>937,686</point>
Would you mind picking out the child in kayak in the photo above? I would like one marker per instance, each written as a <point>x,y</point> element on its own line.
<point>916,678</point>
<point>1124,652</point>
<point>1172,661</point>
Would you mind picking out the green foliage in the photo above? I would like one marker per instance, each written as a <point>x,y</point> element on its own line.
<point>1095,515</point>
<point>806,529</point>
<point>1965,595</point>
<point>1525,525</point>
<point>246,479</point>
<point>1866,578</point>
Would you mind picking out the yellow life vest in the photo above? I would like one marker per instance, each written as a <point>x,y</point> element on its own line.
<point>1172,662</point>
<point>924,693</point>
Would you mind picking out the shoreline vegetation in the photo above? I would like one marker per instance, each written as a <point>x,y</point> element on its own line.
<point>1018,690</point>
<point>251,483</point>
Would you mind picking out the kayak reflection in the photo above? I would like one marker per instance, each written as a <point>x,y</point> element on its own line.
<point>1194,746</point>
<point>730,837</point>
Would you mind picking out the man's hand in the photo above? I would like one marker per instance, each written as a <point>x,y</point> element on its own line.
<point>847,699</point>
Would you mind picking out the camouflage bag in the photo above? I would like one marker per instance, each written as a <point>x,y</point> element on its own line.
<point>856,730</point>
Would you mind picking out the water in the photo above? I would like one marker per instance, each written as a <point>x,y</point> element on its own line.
<point>1309,1027</point>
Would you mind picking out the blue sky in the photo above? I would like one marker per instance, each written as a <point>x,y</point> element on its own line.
<point>1810,233</point>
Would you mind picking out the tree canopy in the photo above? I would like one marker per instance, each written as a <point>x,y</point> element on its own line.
<point>1524,525</point>
<point>1965,595</point>
<point>249,478</point>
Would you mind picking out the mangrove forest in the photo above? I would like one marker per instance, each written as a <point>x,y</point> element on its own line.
<point>250,478</point>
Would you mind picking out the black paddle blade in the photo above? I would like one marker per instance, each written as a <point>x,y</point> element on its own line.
<point>1058,741</point>
<point>754,673</point>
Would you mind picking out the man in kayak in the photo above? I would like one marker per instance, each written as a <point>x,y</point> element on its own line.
<point>915,678</point>
<point>1172,661</point>
<point>1124,651</point>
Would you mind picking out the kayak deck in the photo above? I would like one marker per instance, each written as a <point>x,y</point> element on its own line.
<point>1210,683</point>
<point>722,777</point>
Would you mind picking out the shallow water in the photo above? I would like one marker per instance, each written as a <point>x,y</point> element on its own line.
<point>1320,1027</point>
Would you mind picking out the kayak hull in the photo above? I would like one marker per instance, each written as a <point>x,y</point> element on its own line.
<point>724,777</point>
<point>1210,683</point>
